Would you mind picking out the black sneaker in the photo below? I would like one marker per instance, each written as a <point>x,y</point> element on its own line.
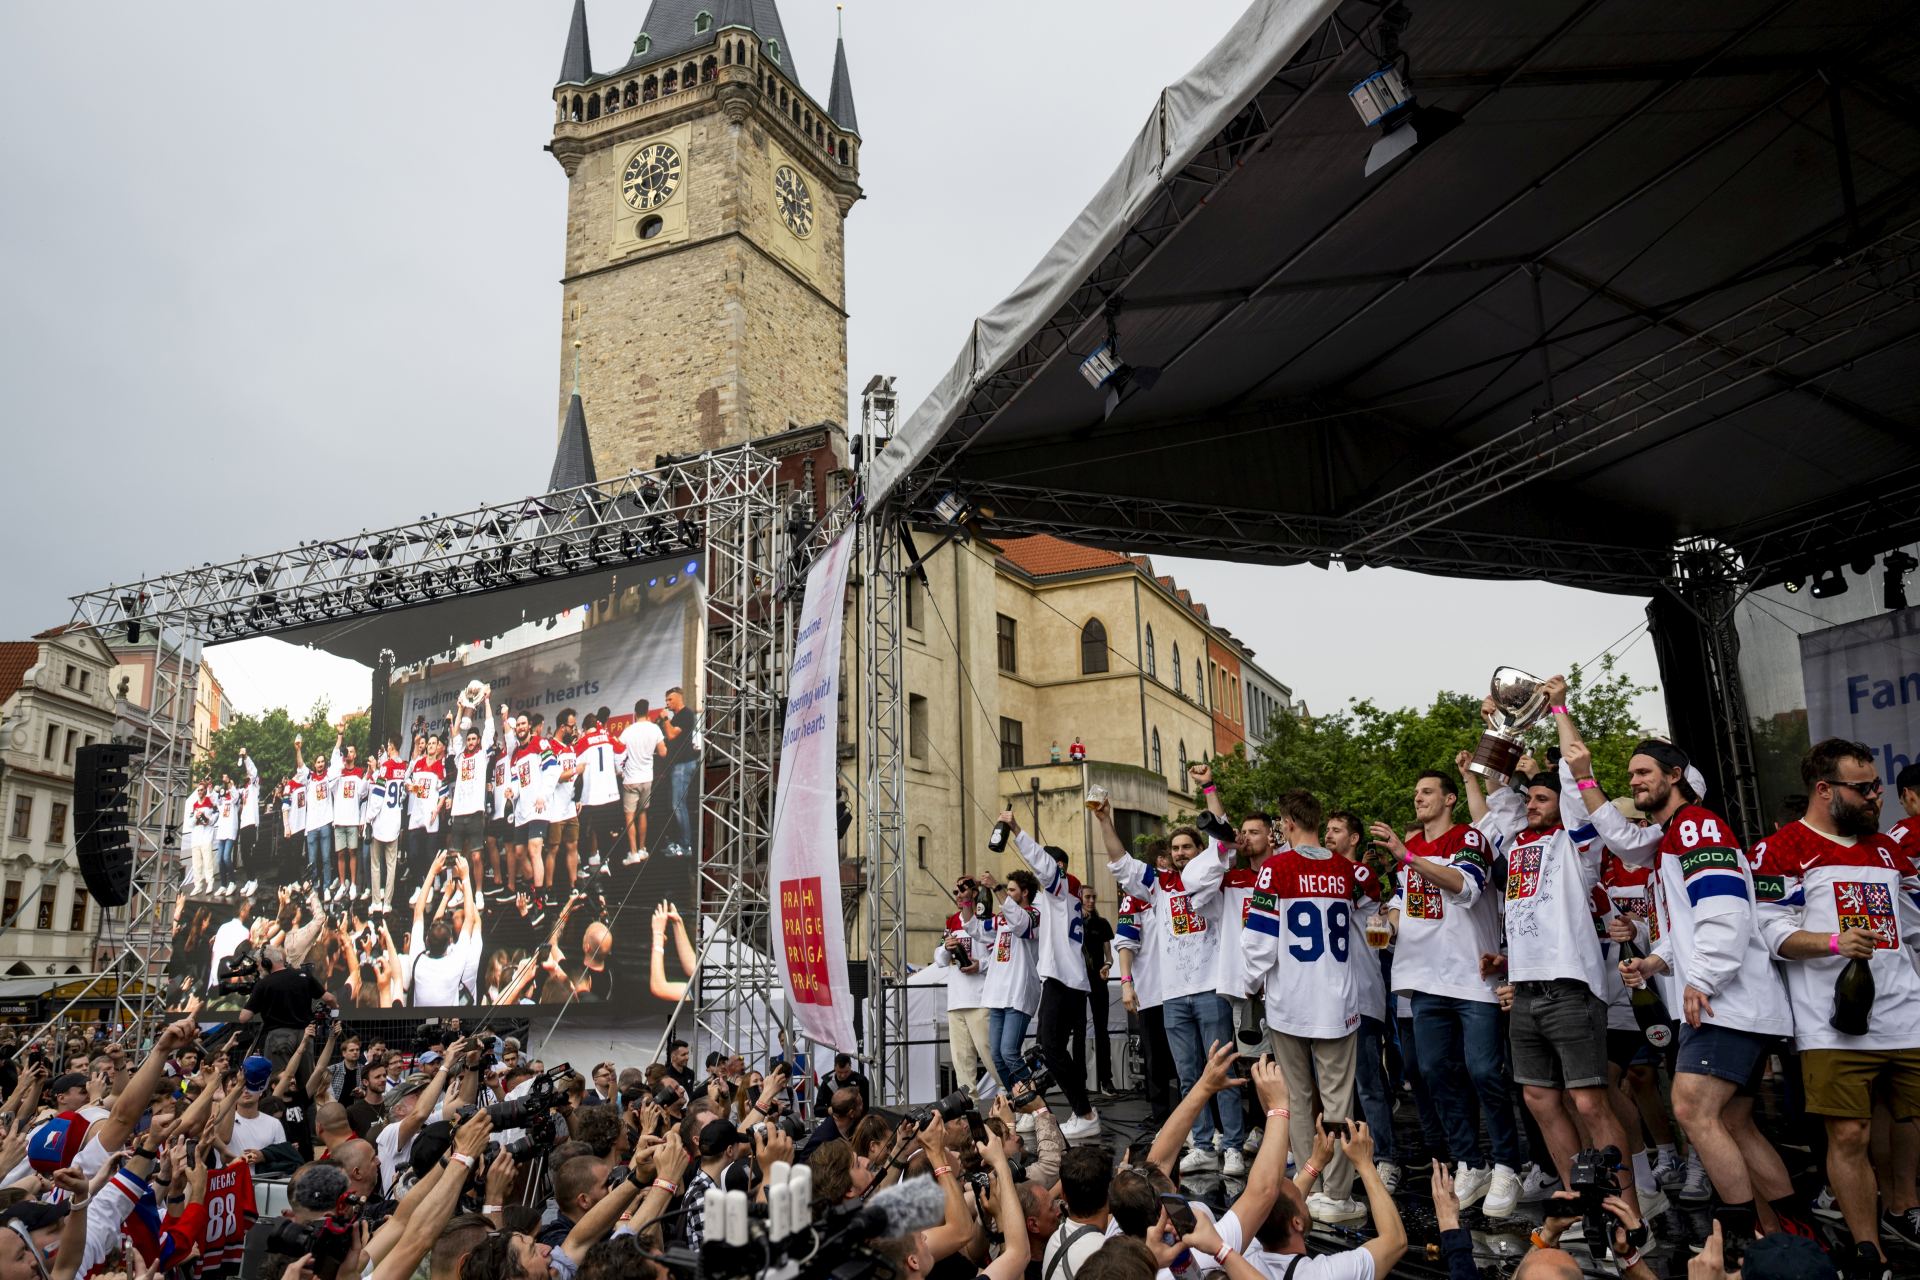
<point>1902,1226</point>
<point>1863,1262</point>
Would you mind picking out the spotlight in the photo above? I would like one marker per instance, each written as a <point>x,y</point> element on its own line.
<point>689,533</point>
<point>381,551</point>
<point>133,631</point>
<point>673,579</point>
<point>1386,98</point>
<point>1862,565</point>
<point>1897,566</point>
<point>262,575</point>
<point>552,623</point>
<point>653,582</point>
<point>1106,370</point>
<point>1793,585</point>
<point>1828,583</point>
<point>951,507</point>
<point>693,567</point>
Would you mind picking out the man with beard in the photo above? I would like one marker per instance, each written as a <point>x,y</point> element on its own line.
<point>1833,890</point>
<point>319,788</point>
<point>426,797</point>
<point>349,805</point>
<point>1733,1007</point>
<point>467,820</point>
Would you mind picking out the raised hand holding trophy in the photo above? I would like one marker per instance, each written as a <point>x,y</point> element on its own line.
<point>1517,701</point>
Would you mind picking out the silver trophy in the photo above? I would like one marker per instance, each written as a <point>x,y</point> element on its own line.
<point>474,694</point>
<point>1519,699</point>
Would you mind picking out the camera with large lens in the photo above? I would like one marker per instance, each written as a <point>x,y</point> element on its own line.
<point>532,1112</point>
<point>1039,1077</point>
<point>329,1240</point>
<point>951,1107</point>
<point>1594,1176</point>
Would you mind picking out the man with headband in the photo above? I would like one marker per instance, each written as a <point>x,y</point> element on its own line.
<point>1733,1007</point>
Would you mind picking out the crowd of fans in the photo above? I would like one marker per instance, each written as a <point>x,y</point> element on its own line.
<point>1260,955</point>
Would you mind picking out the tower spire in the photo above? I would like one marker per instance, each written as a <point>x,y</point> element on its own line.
<point>576,66</point>
<point>573,460</point>
<point>840,99</point>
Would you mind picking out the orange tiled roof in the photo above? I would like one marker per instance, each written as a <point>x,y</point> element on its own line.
<point>1044,555</point>
<point>16,659</point>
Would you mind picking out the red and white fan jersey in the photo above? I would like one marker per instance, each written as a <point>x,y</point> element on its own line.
<point>1443,934</point>
<point>230,1213</point>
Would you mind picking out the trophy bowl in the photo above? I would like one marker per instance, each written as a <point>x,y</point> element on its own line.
<point>475,693</point>
<point>1519,699</point>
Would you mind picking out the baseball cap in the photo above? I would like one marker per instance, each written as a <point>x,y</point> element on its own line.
<point>258,1070</point>
<point>35,1214</point>
<point>55,1143</point>
<point>405,1089</point>
<point>428,1058</point>
<point>1782,1256</point>
<point>717,1135</point>
<point>65,1081</point>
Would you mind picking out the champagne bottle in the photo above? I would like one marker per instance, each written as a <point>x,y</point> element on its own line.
<point>1853,998</point>
<point>1649,1010</point>
<point>998,840</point>
<point>1252,1034</point>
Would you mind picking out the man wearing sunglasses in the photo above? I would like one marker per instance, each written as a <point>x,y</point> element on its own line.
<point>1832,890</point>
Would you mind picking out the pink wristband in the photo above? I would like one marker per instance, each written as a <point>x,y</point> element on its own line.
<point>1312,1170</point>
<point>1209,789</point>
<point>1833,944</point>
<point>1280,1112</point>
<point>1560,710</point>
<point>1586,784</point>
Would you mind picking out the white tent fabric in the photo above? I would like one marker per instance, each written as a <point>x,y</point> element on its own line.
<point>1190,112</point>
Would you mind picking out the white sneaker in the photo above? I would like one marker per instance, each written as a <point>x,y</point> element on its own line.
<point>1825,1205</point>
<point>1470,1185</point>
<point>1669,1171</point>
<point>1324,1208</point>
<point>1233,1164</point>
<point>1389,1175</point>
<point>229,889</point>
<point>1199,1160</point>
<point>634,859</point>
<point>247,890</point>
<point>1252,1145</point>
<point>1537,1185</point>
<point>1503,1193</point>
<point>1078,1127</point>
<point>1696,1187</point>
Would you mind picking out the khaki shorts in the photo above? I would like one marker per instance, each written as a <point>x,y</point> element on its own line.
<point>634,796</point>
<point>1844,1082</point>
<point>565,829</point>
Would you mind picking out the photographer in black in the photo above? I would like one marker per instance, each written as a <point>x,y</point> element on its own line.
<point>1592,1201</point>
<point>283,996</point>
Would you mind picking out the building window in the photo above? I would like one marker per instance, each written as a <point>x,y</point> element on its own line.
<point>1152,666</point>
<point>1158,766</point>
<point>78,921</point>
<point>702,22</point>
<point>920,850</point>
<point>1199,683</point>
<point>916,726</point>
<point>72,673</point>
<point>773,50</point>
<point>22,816</point>
<point>1012,744</point>
<point>1093,648</point>
<point>1183,761</point>
<point>1007,633</point>
<point>57,824</point>
<point>10,907</point>
<point>1233,687</point>
<point>44,916</point>
<point>73,740</point>
<point>1179,681</point>
<point>86,678</point>
<point>53,741</point>
<point>913,601</point>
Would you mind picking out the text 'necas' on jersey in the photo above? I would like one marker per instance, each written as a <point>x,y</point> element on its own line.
<point>1299,942</point>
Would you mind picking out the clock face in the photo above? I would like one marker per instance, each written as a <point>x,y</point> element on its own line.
<point>651,177</point>
<point>796,202</point>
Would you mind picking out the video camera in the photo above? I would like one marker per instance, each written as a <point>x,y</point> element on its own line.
<point>236,976</point>
<point>1593,1176</point>
<point>328,1240</point>
<point>532,1112</point>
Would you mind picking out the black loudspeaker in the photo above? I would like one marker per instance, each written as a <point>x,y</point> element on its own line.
<point>100,820</point>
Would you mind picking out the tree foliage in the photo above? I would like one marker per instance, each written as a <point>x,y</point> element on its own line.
<point>1366,758</point>
<point>268,738</point>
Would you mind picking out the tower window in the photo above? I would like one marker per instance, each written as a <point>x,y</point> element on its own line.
<point>773,50</point>
<point>650,226</point>
<point>642,44</point>
<point>703,22</point>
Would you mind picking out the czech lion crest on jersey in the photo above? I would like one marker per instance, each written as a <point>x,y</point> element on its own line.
<point>1865,904</point>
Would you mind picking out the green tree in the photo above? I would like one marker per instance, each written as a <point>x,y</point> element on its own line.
<point>1366,758</point>
<point>268,739</point>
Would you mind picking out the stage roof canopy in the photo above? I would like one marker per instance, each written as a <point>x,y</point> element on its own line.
<point>1656,282</point>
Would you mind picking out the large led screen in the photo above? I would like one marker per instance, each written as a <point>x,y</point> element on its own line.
<point>486,802</point>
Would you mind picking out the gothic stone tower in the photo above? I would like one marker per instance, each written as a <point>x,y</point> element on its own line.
<point>707,195</point>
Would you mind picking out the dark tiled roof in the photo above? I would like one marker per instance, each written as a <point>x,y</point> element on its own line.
<point>1043,555</point>
<point>573,460</point>
<point>577,66</point>
<point>670,32</point>
<point>840,101</point>
<point>16,659</point>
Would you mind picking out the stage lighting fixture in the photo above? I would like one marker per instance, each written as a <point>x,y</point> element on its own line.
<point>689,533</point>
<point>951,507</point>
<point>1897,566</point>
<point>673,579</point>
<point>693,567</point>
<point>381,551</point>
<point>133,631</point>
<point>1100,367</point>
<point>653,582</point>
<point>1793,585</point>
<point>1829,583</point>
<point>262,575</point>
<point>552,623</point>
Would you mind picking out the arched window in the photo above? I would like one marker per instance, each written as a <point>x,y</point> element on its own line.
<point>1183,760</point>
<point>613,101</point>
<point>702,22</point>
<point>650,88</point>
<point>726,52</point>
<point>642,44</point>
<point>1152,666</point>
<point>740,52</point>
<point>579,111</point>
<point>773,50</point>
<point>689,75</point>
<point>709,69</point>
<point>1199,683</point>
<point>1179,681</point>
<point>670,82</point>
<point>593,107</point>
<point>843,151</point>
<point>1093,648</point>
<point>1157,766</point>
<point>631,97</point>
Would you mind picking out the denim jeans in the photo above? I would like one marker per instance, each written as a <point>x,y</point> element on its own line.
<point>1006,1028</point>
<point>223,854</point>
<point>1432,1132</point>
<point>1193,1023</point>
<point>681,780</point>
<point>320,856</point>
<point>1370,1082</point>
<point>1464,1061</point>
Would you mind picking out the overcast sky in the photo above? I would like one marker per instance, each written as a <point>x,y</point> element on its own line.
<point>279,272</point>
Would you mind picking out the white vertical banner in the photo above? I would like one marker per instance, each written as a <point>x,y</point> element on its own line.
<point>804,864</point>
<point>1863,684</point>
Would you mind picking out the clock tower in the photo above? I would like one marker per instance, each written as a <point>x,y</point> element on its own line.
<point>705,276</point>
